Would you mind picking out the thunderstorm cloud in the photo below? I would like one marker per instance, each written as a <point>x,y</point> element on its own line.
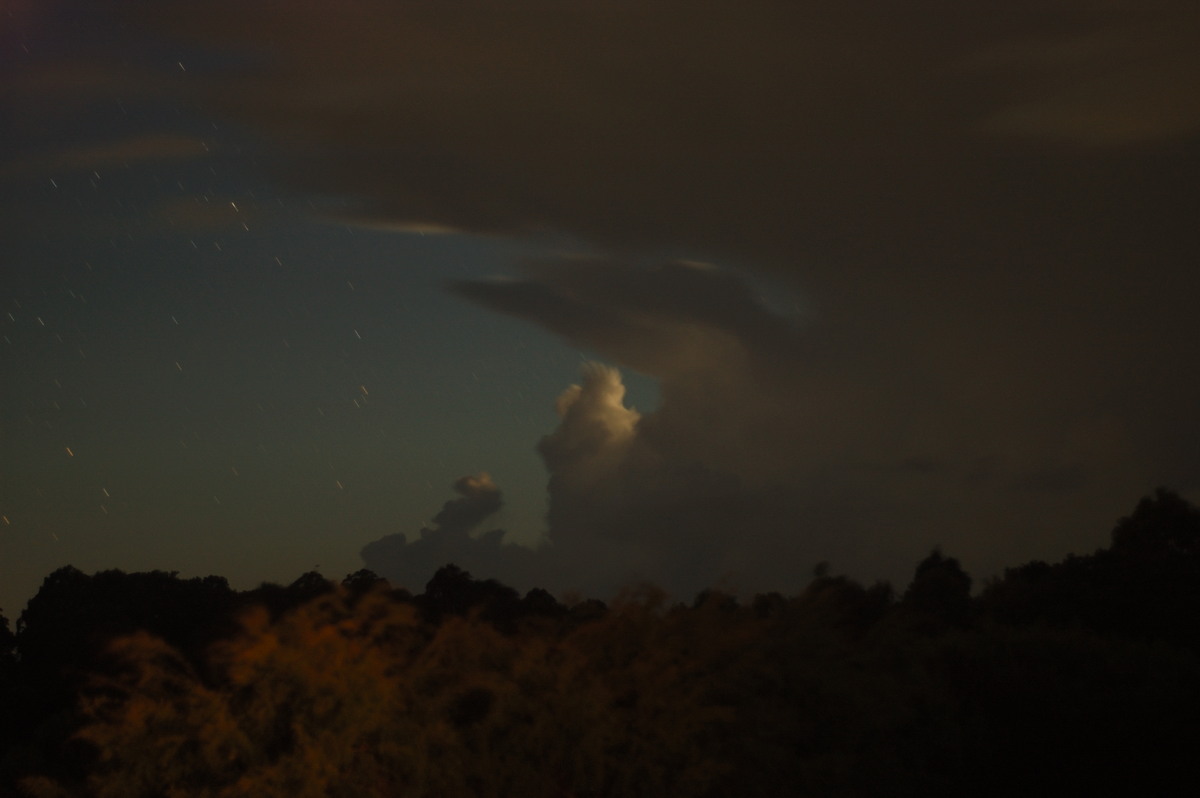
<point>982,218</point>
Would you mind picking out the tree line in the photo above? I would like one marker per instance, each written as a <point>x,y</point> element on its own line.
<point>1081,676</point>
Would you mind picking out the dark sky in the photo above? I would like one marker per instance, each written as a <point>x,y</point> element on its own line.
<point>284,281</point>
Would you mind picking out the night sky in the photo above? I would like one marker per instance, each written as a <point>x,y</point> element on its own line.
<point>286,281</point>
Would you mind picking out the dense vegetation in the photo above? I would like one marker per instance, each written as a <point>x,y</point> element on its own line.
<point>1081,677</point>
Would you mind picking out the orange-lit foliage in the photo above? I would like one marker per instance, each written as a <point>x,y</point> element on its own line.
<point>341,698</point>
<point>305,706</point>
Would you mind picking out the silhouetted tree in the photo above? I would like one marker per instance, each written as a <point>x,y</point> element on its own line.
<point>8,643</point>
<point>768,605</point>
<point>453,591</point>
<point>840,601</point>
<point>1163,523</point>
<point>279,599</point>
<point>940,589</point>
<point>1147,585</point>
<point>11,698</point>
<point>308,586</point>
<point>73,616</point>
<point>362,581</point>
<point>539,607</point>
<point>68,624</point>
<point>715,599</point>
<point>588,610</point>
<point>540,602</point>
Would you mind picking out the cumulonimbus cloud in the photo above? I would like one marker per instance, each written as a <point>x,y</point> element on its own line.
<point>773,447</point>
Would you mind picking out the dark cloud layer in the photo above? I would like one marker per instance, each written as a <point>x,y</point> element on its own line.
<point>789,133</point>
<point>886,160</point>
<point>985,193</point>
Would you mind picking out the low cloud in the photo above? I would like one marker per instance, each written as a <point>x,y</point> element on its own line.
<point>449,539</point>
<point>478,498</point>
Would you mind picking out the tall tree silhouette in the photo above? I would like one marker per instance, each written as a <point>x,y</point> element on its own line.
<point>940,590</point>
<point>1160,524</point>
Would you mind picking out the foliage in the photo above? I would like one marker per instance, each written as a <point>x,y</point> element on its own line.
<point>1076,677</point>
